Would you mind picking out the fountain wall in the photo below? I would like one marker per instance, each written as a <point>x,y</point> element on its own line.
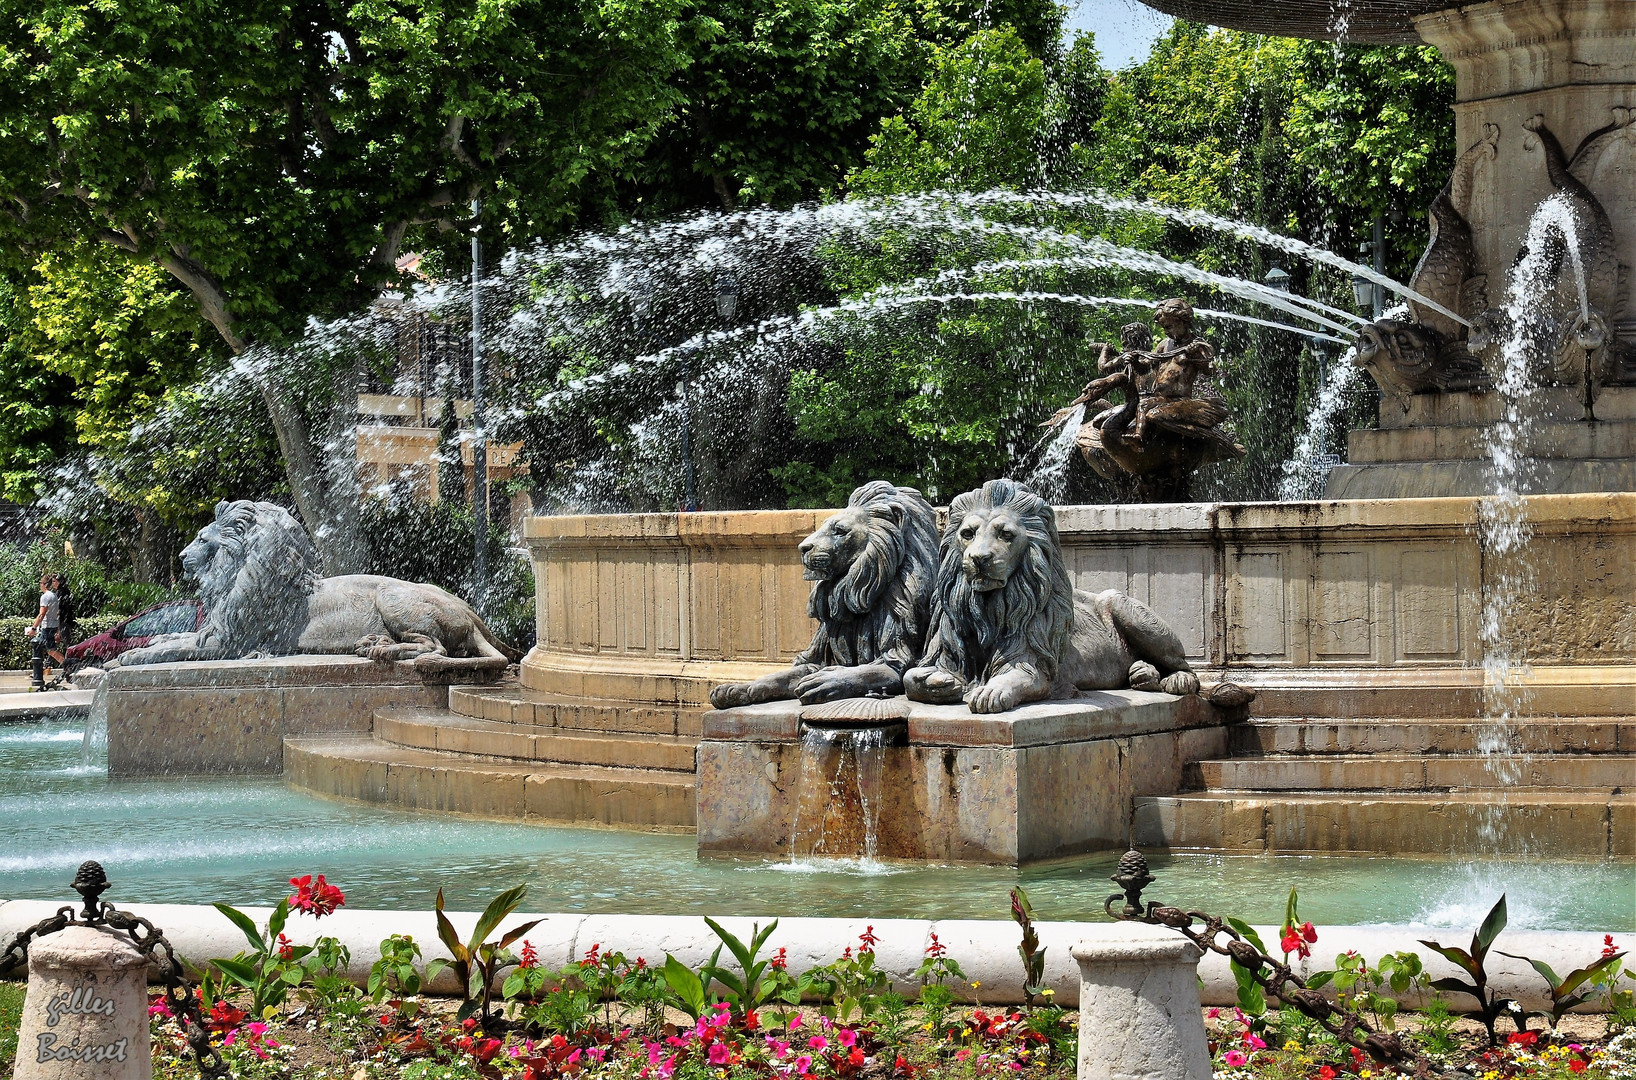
<point>1331,609</point>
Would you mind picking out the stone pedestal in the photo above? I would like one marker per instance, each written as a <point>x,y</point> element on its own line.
<point>1139,1012</point>
<point>224,717</point>
<point>85,1015</point>
<point>1046,780</point>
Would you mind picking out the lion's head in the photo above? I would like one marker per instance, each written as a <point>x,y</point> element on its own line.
<point>255,567</point>
<point>872,563</point>
<point>1003,591</point>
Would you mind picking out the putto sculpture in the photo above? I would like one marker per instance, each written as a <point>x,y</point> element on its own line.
<point>872,567</point>
<point>1008,627</point>
<point>1167,425</point>
<point>259,580</point>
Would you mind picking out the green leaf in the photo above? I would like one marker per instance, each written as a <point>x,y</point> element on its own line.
<point>1492,925</point>
<point>447,934</point>
<point>280,915</point>
<point>686,985</point>
<point>1459,957</point>
<point>1290,916</point>
<point>1456,986</point>
<point>1315,980</point>
<point>516,931</point>
<point>238,971</point>
<point>498,909</point>
<point>1543,968</point>
<point>243,921</point>
<point>516,980</point>
<point>1247,932</point>
<point>1575,978</point>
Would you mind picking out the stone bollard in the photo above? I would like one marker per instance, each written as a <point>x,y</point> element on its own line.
<point>85,1015</point>
<point>1139,1012</point>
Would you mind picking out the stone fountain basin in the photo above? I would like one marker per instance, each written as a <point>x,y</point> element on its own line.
<point>1047,780</point>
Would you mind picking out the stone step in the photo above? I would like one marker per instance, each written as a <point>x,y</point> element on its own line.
<point>1516,821</point>
<point>371,771</point>
<point>513,704</point>
<point>1316,735</point>
<point>1412,772</point>
<point>1544,439</point>
<point>1433,693</point>
<point>440,729</point>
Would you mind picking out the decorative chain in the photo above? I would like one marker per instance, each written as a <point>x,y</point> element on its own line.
<point>149,940</point>
<point>1273,976</point>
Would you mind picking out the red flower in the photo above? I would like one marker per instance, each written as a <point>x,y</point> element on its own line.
<point>1298,939</point>
<point>868,938</point>
<point>225,1017</point>
<point>780,961</point>
<point>286,951</point>
<point>1608,947</point>
<point>318,898</point>
<point>594,957</point>
<point>529,957</point>
<point>1326,1073</point>
<point>1576,1065</point>
<point>936,948</point>
<point>1523,1038</point>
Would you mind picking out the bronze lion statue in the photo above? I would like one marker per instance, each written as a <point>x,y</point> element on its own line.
<point>259,580</point>
<point>1008,627</point>
<point>871,566</point>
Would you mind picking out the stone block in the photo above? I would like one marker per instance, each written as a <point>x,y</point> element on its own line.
<point>1043,781</point>
<point>1139,1010</point>
<point>85,1012</point>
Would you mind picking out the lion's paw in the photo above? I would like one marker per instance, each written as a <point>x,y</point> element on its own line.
<point>729,695</point>
<point>989,699</point>
<point>1144,676</point>
<point>1180,683</point>
<point>934,686</point>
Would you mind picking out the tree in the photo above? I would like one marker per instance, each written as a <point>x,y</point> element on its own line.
<point>274,158</point>
<point>781,97</point>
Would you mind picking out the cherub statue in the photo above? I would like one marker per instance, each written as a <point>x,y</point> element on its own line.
<point>1168,424</point>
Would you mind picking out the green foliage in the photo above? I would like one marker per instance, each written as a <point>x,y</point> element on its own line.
<point>477,961</point>
<point>11,1018</point>
<point>97,589</point>
<point>1437,1026</point>
<point>1571,989</point>
<point>1473,962</point>
<point>1360,986</point>
<point>268,970</point>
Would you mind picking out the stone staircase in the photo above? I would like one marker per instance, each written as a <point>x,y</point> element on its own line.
<point>506,751</point>
<point>1562,786</point>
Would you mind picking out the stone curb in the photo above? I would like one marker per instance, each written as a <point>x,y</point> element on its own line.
<point>985,949</point>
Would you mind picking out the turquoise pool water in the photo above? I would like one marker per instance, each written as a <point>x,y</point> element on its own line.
<point>239,841</point>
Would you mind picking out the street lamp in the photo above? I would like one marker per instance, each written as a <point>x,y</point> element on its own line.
<point>726,297</point>
<point>1276,280</point>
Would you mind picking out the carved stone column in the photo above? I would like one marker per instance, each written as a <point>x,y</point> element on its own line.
<point>1139,1012</point>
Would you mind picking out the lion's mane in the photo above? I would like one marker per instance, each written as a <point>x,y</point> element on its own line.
<point>1027,622</point>
<point>255,587</point>
<point>877,612</point>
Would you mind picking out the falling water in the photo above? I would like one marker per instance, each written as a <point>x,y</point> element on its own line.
<point>1305,471</point>
<point>838,798</point>
<point>94,743</point>
<point>1502,523</point>
<point>1048,476</point>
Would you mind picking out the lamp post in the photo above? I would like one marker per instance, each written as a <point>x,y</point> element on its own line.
<point>1277,280</point>
<point>726,297</point>
<point>479,445</point>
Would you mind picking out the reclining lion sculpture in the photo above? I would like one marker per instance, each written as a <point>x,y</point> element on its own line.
<point>1008,627</point>
<point>871,568</point>
<point>263,595</point>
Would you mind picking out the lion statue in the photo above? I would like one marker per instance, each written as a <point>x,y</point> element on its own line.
<point>871,566</point>
<point>259,582</point>
<point>1008,627</point>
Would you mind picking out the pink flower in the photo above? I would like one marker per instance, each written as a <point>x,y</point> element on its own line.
<point>961,1055</point>
<point>803,1065</point>
<point>778,1048</point>
<point>597,1053</point>
<point>817,1042</point>
<point>1254,1042</point>
<point>847,1037</point>
<point>719,1054</point>
<point>1211,1014</point>
<point>1233,1059</point>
